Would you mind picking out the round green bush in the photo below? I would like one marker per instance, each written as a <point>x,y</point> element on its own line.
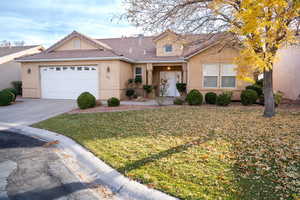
<point>178,101</point>
<point>211,98</point>
<point>194,97</point>
<point>112,102</point>
<point>223,99</point>
<point>130,92</point>
<point>86,100</point>
<point>256,88</point>
<point>248,97</point>
<point>6,97</point>
<point>14,91</point>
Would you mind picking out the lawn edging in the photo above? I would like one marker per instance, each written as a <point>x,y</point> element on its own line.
<point>99,171</point>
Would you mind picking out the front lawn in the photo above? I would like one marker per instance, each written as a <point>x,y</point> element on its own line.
<point>196,152</point>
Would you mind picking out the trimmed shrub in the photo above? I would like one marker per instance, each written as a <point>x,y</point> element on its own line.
<point>18,86</point>
<point>130,81</point>
<point>6,97</point>
<point>224,99</point>
<point>257,88</point>
<point>181,87</point>
<point>14,91</point>
<point>178,101</point>
<point>148,88</point>
<point>248,97</point>
<point>113,102</point>
<point>211,98</point>
<point>194,97</point>
<point>86,100</point>
<point>138,80</point>
<point>278,98</point>
<point>130,92</point>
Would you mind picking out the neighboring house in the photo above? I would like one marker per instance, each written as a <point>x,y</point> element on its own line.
<point>78,63</point>
<point>286,72</point>
<point>10,70</point>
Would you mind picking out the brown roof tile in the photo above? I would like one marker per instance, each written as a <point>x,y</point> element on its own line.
<point>136,49</point>
<point>69,54</point>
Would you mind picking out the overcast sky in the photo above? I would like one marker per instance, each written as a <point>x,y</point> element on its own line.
<point>46,21</point>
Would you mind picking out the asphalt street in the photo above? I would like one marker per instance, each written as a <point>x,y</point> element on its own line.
<point>29,170</point>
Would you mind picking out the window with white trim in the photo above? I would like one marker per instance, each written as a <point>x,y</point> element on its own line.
<point>219,76</point>
<point>138,72</point>
<point>228,76</point>
<point>76,43</point>
<point>210,75</point>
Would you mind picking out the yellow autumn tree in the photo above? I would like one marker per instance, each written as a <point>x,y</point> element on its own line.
<point>260,27</point>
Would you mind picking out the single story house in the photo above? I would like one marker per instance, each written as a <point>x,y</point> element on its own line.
<point>78,63</point>
<point>286,72</point>
<point>10,70</point>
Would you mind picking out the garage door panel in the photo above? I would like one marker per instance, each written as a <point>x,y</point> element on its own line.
<point>68,82</point>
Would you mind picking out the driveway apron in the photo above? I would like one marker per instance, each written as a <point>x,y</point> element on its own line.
<point>29,111</point>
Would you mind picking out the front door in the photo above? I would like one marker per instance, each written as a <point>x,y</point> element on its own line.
<point>172,77</point>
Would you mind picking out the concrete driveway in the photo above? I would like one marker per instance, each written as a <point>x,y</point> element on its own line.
<point>29,111</point>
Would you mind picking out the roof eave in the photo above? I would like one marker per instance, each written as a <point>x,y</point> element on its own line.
<point>75,59</point>
<point>122,58</point>
<point>162,61</point>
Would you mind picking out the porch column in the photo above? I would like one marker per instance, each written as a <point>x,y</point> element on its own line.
<point>149,73</point>
<point>184,73</point>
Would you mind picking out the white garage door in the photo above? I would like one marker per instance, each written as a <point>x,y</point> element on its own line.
<point>68,82</point>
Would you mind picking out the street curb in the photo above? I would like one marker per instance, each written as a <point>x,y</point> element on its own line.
<point>99,171</point>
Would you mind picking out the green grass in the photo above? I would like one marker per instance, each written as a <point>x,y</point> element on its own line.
<point>195,152</point>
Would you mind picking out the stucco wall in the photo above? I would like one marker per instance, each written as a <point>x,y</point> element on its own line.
<point>111,77</point>
<point>126,72</point>
<point>286,72</point>
<point>69,45</point>
<point>211,56</point>
<point>169,39</point>
<point>10,71</point>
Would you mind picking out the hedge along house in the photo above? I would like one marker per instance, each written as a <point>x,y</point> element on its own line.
<point>78,63</point>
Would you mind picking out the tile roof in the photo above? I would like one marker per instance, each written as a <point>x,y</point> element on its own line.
<point>4,51</point>
<point>134,49</point>
<point>69,54</point>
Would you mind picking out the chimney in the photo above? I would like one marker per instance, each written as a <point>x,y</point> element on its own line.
<point>145,52</point>
<point>130,50</point>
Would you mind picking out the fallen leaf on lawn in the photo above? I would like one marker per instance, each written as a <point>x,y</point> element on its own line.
<point>48,144</point>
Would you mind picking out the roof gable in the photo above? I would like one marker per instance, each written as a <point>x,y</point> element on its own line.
<point>164,34</point>
<point>75,34</point>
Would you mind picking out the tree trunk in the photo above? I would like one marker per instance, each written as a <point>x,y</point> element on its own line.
<point>268,94</point>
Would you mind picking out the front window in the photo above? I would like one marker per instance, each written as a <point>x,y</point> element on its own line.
<point>228,76</point>
<point>138,73</point>
<point>219,76</point>
<point>211,74</point>
<point>168,48</point>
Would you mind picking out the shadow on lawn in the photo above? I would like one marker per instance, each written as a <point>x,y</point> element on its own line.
<point>166,153</point>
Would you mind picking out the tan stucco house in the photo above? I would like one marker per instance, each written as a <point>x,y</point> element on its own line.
<point>10,70</point>
<point>286,72</point>
<point>79,63</point>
